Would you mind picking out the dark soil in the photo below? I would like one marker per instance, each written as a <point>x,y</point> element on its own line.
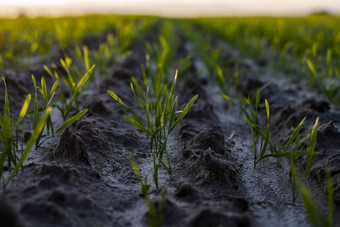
<point>83,177</point>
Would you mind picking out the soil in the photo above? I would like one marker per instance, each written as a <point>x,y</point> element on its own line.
<point>83,177</point>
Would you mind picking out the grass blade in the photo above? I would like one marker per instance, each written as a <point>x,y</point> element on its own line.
<point>136,124</point>
<point>185,111</point>
<point>267,108</point>
<point>48,71</point>
<point>311,67</point>
<point>309,205</point>
<point>83,80</point>
<point>30,144</point>
<point>24,109</point>
<point>43,89</point>
<point>86,58</point>
<point>54,87</point>
<point>312,145</point>
<point>172,114</point>
<point>71,120</point>
<point>294,135</point>
<point>115,97</point>
<point>7,122</point>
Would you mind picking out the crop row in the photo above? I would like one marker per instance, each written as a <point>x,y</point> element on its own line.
<point>310,44</point>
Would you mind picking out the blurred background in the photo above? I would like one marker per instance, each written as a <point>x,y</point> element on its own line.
<point>173,8</point>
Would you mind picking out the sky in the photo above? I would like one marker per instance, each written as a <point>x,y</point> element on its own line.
<point>171,7</point>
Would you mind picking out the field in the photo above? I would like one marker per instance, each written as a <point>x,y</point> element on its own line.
<point>112,120</point>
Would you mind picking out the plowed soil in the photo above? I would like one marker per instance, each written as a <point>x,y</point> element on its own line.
<point>83,177</point>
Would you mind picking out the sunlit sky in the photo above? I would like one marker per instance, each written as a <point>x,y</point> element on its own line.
<point>171,7</point>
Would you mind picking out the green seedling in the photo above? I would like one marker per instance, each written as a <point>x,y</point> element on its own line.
<point>36,134</point>
<point>143,181</point>
<point>160,118</point>
<point>251,118</point>
<point>83,57</point>
<point>262,135</point>
<point>312,136</point>
<point>184,64</point>
<point>48,96</point>
<point>328,78</point>
<point>8,133</point>
<point>313,69</point>
<point>38,108</point>
<point>76,89</point>
<point>259,132</point>
<point>296,152</point>
<point>287,153</point>
<point>108,54</point>
<point>71,120</point>
<point>156,213</point>
<point>210,56</point>
<point>9,139</point>
<point>86,58</point>
<point>316,217</point>
<point>331,88</point>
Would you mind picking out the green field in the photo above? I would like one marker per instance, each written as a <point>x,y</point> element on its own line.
<point>143,101</point>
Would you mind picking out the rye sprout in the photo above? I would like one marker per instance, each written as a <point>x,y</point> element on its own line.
<point>107,55</point>
<point>262,135</point>
<point>75,88</point>
<point>36,133</point>
<point>327,76</point>
<point>38,107</point>
<point>9,138</point>
<point>316,217</point>
<point>156,214</point>
<point>8,133</point>
<point>160,119</point>
<point>251,117</point>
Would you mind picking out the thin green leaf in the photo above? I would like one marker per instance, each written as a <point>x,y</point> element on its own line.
<point>185,111</point>
<point>285,154</point>
<point>257,99</point>
<point>136,124</point>
<point>24,109</point>
<point>86,58</point>
<point>267,108</point>
<point>220,74</point>
<point>71,120</point>
<point>226,97</point>
<point>294,134</point>
<point>172,114</point>
<point>7,120</point>
<point>44,89</point>
<point>31,142</point>
<point>311,67</point>
<point>113,95</point>
<point>138,88</point>
<point>308,203</point>
<point>312,143</point>
<point>48,71</point>
<point>54,87</point>
<point>83,80</point>
<point>135,169</point>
